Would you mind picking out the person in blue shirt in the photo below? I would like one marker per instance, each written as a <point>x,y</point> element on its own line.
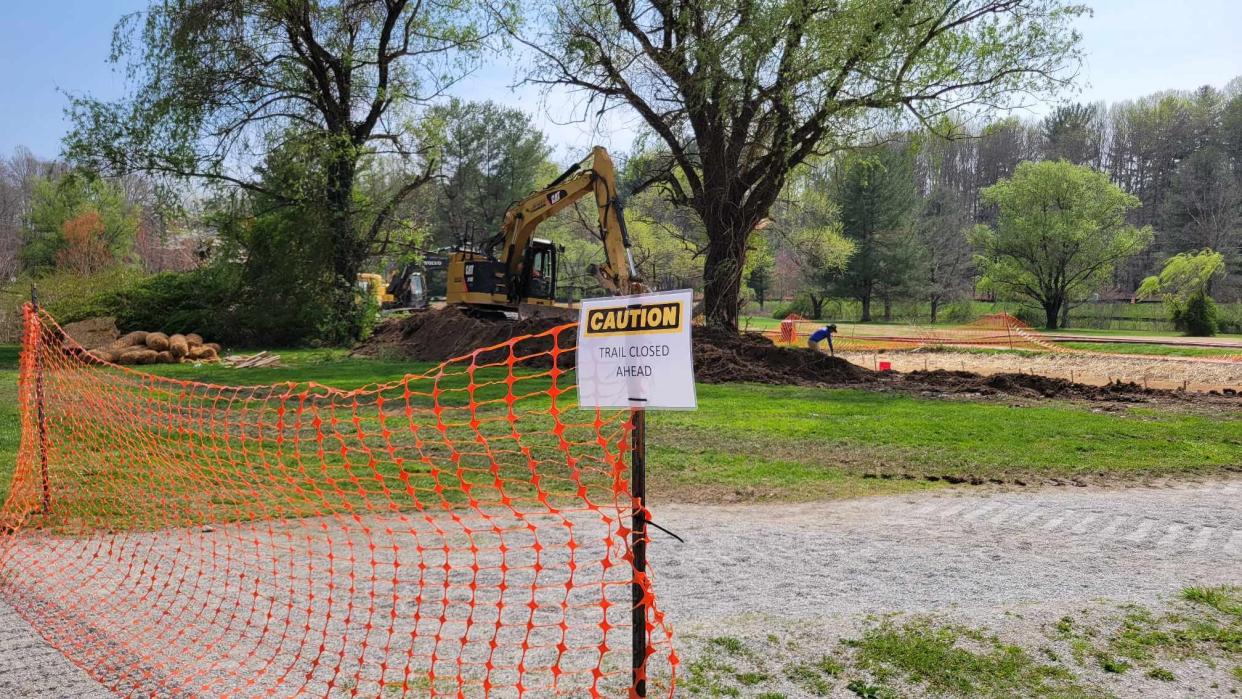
<point>824,333</point>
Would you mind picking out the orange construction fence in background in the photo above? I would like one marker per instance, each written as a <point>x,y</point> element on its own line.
<point>998,330</point>
<point>463,532</point>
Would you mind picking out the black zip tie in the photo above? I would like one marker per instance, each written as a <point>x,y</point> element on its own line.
<point>666,531</point>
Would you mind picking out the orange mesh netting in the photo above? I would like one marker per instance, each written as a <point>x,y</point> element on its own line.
<point>993,331</point>
<point>463,532</point>
<point>998,330</point>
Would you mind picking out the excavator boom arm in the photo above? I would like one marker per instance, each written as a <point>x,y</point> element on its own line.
<point>594,175</point>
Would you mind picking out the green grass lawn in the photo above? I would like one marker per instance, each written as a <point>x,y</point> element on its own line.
<point>746,442</point>
<point>10,430</point>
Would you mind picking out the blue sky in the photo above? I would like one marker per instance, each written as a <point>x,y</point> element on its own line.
<point>1134,47</point>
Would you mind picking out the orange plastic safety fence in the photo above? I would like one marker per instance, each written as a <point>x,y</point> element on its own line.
<point>463,532</point>
<point>998,330</point>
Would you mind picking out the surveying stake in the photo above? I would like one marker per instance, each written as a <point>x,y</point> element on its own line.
<point>36,331</point>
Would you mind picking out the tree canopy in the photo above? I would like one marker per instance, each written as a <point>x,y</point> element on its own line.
<point>874,191</point>
<point>1061,229</point>
<point>741,93</point>
<point>78,224</point>
<point>216,85</point>
<point>487,156</point>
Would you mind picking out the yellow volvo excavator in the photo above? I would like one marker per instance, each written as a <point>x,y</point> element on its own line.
<point>516,272</point>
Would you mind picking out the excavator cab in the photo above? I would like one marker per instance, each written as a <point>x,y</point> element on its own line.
<point>540,270</point>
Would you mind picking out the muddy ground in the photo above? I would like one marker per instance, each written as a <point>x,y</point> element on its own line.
<point>721,357</point>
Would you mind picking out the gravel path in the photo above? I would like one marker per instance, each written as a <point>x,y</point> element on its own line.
<point>951,549</point>
<point>824,566</point>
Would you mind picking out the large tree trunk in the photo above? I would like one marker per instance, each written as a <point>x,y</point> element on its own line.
<point>1052,313</point>
<point>935,306</point>
<point>348,250</point>
<point>722,273</point>
<point>817,306</point>
<point>888,309</point>
<point>866,308</point>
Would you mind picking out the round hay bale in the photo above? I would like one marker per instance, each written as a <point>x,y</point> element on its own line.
<point>166,357</point>
<point>203,354</point>
<point>137,337</point>
<point>157,341</point>
<point>178,345</point>
<point>138,356</point>
<point>194,339</point>
<point>104,354</point>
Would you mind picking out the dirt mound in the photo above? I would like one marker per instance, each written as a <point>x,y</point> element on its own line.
<point>1031,385</point>
<point>719,357</point>
<point>438,335</point>
<point>724,357</point>
<point>93,332</point>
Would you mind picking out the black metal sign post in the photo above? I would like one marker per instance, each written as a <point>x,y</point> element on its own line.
<point>638,546</point>
<point>36,348</point>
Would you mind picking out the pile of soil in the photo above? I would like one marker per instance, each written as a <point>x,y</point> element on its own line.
<point>448,333</point>
<point>1028,385</point>
<point>723,357</point>
<point>719,357</point>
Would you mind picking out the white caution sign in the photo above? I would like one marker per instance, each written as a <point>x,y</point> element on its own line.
<point>634,352</point>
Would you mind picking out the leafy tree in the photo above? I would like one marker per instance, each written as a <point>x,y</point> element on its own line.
<point>742,93</point>
<point>760,280</point>
<point>79,224</point>
<point>1184,285</point>
<point>217,84</point>
<point>277,258</point>
<point>808,250</point>
<point>489,156</point>
<point>1002,145</point>
<point>943,265</point>
<point>874,192</point>
<point>19,174</point>
<point>1060,231</point>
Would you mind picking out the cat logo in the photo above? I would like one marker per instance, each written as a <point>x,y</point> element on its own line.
<point>556,196</point>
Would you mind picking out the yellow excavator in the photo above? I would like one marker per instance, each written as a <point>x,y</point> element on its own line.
<point>406,290</point>
<point>516,272</point>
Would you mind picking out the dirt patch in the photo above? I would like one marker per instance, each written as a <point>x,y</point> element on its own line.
<point>1030,385</point>
<point>723,357</point>
<point>719,357</point>
<point>447,333</point>
<point>93,332</point>
<point>1196,374</point>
